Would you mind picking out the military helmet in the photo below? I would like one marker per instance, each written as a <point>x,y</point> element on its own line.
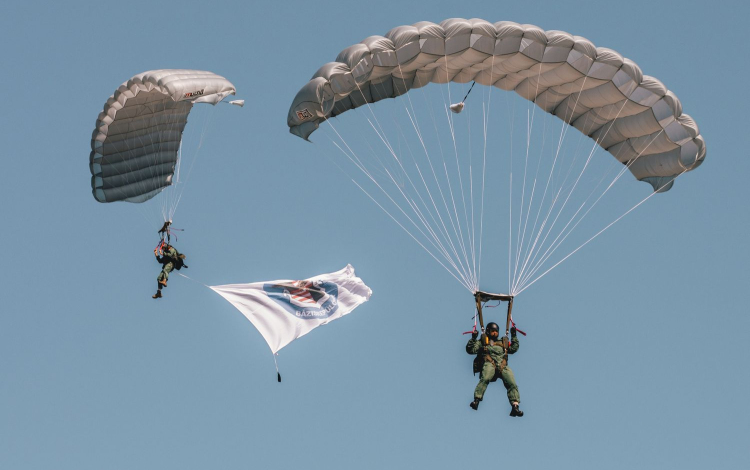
<point>492,326</point>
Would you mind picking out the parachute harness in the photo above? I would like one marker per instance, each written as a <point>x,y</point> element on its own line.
<point>481,299</point>
<point>165,236</point>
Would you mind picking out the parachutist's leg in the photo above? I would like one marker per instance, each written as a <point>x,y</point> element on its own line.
<point>164,274</point>
<point>168,269</point>
<point>488,372</point>
<point>510,385</point>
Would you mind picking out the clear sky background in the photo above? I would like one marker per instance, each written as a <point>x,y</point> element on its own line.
<point>637,348</point>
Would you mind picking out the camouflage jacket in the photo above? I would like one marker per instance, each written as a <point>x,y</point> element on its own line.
<point>168,256</point>
<point>496,351</point>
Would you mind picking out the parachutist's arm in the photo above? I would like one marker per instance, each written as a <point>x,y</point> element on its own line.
<point>473,346</point>
<point>170,254</point>
<point>514,345</point>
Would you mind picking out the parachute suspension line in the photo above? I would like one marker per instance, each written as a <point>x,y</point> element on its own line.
<point>412,117</point>
<point>601,231</point>
<point>359,164</point>
<point>619,175</point>
<point>555,244</point>
<point>531,256</point>
<point>526,252</point>
<point>531,109</point>
<point>519,239</point>
<point>475,243</point>
<point>463,281</point>
<point>451,124</point>
<point>417,129</point>
<point>470,230</point>
<point>172,121</point>
<point>445,233</point>
<point>563,132</point>
<point>472,226</point>
<point>553,247</point>
<point>206,123</point>
<point>155,143</point>
<point>511,122</point>
<point>532,259</point>
<point>453,217</point>
<point>454,221</point>
<point>529,247</point>
<point>448,239</point>
<point>471,212</point>
<point>485,121</point>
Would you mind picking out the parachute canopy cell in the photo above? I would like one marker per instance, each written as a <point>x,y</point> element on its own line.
<point>135,145</point>
<point>594,89</point>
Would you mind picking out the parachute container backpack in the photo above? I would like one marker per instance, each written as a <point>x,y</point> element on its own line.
<point>137,145</point>
<point>497,140</point>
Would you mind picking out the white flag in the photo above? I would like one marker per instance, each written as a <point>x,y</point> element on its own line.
<point>285,310</point>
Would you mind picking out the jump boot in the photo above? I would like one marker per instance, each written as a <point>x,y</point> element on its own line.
<point>515,411</point>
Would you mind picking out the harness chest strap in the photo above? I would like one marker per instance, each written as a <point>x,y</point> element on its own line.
<point>504,361</point>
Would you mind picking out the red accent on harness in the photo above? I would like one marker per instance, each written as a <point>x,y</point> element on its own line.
<point>475,327</point>
<point>514,326</point>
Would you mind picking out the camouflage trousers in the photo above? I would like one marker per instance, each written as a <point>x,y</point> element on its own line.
<point>488,374</point>
<point>164,274</point>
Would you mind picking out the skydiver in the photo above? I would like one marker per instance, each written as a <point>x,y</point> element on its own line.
<point>492,363</point>
<point>170,259</point>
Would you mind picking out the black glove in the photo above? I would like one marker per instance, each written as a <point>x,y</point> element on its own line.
<point>513,331</point>
<point>474,334</point>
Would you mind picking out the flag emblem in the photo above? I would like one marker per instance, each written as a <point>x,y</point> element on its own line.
<point>284,310</point>
<point>305,299</point>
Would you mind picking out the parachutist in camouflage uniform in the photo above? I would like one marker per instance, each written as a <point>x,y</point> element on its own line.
<point>492,363</point>
<point>170,259</point>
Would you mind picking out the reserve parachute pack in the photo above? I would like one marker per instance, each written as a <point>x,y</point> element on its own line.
<point>179,262</point>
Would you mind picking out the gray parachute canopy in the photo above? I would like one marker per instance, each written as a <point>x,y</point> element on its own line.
<point>134,148</point>
<point>594,89</point>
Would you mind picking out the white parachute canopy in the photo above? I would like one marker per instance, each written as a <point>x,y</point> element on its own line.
<point>509,176</point>
<point>136,145</point>
<point>285,310</point>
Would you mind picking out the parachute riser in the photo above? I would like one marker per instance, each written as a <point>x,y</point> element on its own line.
<point>480,297</point>
<point>479,312</point>
<point>507,319</point>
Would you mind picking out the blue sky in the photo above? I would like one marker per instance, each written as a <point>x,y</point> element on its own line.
<point>636,353</point>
